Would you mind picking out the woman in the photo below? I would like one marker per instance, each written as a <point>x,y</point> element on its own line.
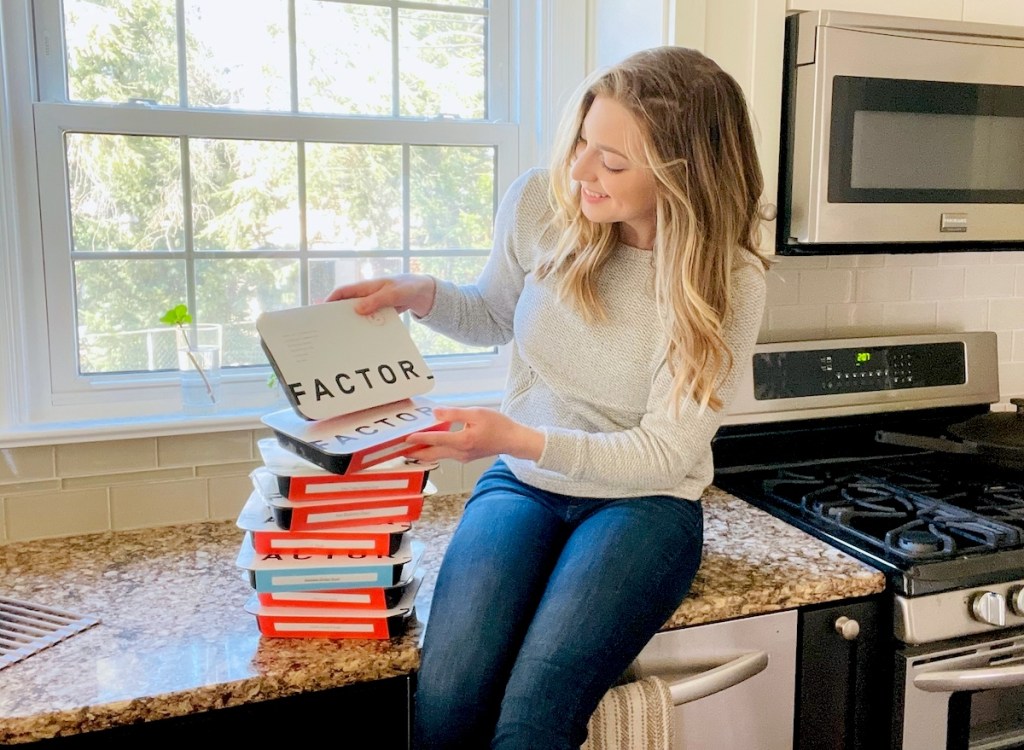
<point>628,282</point>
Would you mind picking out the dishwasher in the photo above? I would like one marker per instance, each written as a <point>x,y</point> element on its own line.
<point>733,682</point>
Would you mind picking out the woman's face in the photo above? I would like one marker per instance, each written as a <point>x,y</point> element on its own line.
<point>613,188</point>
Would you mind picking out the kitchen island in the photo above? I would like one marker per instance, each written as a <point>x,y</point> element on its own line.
<point>174,640</point>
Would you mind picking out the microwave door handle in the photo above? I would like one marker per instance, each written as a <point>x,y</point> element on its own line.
<point>982,678</point>
<point>707,682</point>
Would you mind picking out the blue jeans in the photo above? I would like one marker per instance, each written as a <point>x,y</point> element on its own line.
<point>541,602</point>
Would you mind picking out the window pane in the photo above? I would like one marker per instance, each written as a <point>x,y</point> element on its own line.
<point>244,195</point>
<point>464,270</point>
<point>237,57</point>
<point>234,291</point>
<point>343,58</point>
<point>121,50</point>
<point>459,3</point>
<point>443,64</point>
<point>125,192</point>
<point>119,306</point>
<point>326,274</point>
<point>452,197</point>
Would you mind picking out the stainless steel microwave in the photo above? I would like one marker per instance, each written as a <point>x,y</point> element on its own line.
<point>900,135</point>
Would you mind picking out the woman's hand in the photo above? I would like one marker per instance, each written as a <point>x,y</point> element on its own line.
<point>485,432</point>
<point>406,291</point>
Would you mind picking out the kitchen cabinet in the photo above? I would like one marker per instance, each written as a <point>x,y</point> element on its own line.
<point>844,677</point>
<point>947,9</point>
<point>378,709</point>
<point>995,11</point>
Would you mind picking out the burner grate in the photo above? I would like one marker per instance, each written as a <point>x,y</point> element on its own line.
<point>26,629</point>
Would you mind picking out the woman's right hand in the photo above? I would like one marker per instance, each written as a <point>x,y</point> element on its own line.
<point>406,291</point>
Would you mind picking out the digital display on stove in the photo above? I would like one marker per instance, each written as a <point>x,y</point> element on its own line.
<point>821,372</point>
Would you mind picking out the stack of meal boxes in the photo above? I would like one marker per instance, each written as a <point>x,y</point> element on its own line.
<point>327,544</point>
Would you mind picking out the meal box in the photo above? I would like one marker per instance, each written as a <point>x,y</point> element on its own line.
<point>373,598</point>
<point>310,515</point>
<point>267,537</point>
<point>279,572</point>
<point>291,622</point>
<point>298,479</point>
<point>352,442</point>
<point>330,360</point>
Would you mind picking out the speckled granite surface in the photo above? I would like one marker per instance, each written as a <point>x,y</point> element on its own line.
<point>174,637</point>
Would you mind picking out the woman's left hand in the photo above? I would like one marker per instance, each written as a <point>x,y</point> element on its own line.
<point>484,432</point>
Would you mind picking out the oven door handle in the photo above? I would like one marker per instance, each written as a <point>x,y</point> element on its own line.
<point>707,681</point>
<point>982,678</point>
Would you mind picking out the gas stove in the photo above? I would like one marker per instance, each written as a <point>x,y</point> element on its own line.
<point>802,442</point>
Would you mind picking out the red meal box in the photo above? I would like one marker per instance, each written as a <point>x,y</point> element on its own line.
<point>317,515</point>
<point>257,518</point>
<point>298,479</point>
<point>322,622</point>
<point>352,442</point>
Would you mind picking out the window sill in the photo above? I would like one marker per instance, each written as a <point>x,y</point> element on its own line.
<point>177,424</point>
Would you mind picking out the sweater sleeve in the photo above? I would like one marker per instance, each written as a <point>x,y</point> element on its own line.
<point>481,313</point>
<point>663,449</point>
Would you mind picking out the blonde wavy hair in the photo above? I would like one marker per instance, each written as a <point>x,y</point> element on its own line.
<point>698,143</point>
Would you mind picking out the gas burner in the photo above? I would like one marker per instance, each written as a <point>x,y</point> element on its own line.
<point>920,541</point>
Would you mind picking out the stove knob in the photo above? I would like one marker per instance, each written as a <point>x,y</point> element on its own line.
<point>1016,597</point>
<point>989,607</point>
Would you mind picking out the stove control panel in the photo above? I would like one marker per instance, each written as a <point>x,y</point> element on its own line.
<point>951,614</point>
<point>818,372</point>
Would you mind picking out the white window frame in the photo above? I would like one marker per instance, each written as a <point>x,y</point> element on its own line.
<point>39,400</point>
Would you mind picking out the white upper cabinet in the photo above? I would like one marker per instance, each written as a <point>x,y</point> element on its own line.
<point>995,11</point>
<point>948,9</point>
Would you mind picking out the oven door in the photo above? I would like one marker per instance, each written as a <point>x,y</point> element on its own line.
<point>960,694</point>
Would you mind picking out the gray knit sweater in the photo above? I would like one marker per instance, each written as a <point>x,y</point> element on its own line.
<point>598,392</point>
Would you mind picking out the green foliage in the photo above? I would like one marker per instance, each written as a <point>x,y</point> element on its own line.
<point>177,316</point>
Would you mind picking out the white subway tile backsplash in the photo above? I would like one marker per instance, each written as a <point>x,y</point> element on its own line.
<point>939,283</point>
<point>128,477</point>
<point>799,262</point>
<point>205,448</point>
<point>783,286</point>
<point>1011,380</point>
<point>158,504</point>
<point>1006,314</point>
<point>1005,339</point>
<point>26,464</point>
<point>914,260</point>
<point>797,322</point>
<point>227,496</point>
<point>1017,354</point>
<point>827,286</point>
<point>988,282</point>
<point>910,317</point>
<point>882,284</point>
<point>965,259</point>
<point>962,315</point>
<point>105,457</point>
<point>856,261</point>
<point>860,319</point>
<point>54,514</point>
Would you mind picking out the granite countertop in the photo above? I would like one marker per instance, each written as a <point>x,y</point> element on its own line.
<point>174,638</point>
